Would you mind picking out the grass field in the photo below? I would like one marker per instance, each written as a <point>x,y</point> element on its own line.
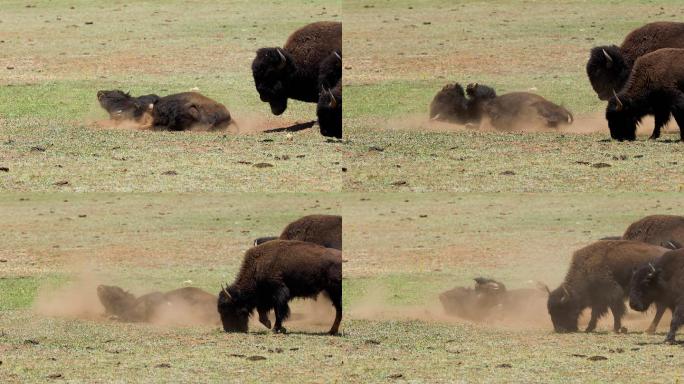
<point>398,54</point>
<point>58,54</point>
<point>144,243</point>
<point>406,248</point>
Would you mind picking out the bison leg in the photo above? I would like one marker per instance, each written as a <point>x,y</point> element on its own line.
<point>282,310</point>
<point>660,310</point>
<point>263,316</point>
<point>678,114</point>
<point>618,308</point>
<point>336,298</point>
<point>677,321</point>
<point>596,312</point>
<point>661,118</point>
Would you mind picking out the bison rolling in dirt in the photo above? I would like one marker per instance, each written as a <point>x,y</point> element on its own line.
<point>598,278</point>
<point>292,72</point>
<point>276,272</point>
<point>146,308</point>
<point>661,282</point>
<point>609,66</point>
<point>509,111</point>
<point>325,230</point>
<point>655,86</point>
<point>177,112</point>
<point>489,298</point>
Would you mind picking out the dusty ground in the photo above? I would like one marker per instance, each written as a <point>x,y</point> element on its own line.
<point>406,248</point>
<point>58,54</point>
<point>399,54</point>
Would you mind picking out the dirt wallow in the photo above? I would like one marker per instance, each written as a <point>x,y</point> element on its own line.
<point>304,69</point>
<point>661,282</point>
<point>490,299</point>
<point>177,112</point>
<point>598,278</point>
<point>325,230</point>
<point>511,111</point>
<point>188,305</point>
<point>276,272</point>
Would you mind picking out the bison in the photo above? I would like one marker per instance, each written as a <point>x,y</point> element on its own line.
<point>488,297</point>
<point>609,66</point>
<point>655,86</point>
<point>661,282</point>
<point>598,278</point>
<point>276,272</point>
<point>292,72</point>
<point>177,112</point>
<point>663,230</point>
<point>329,111</point>
<point>126,307</point>
<point>325,230</point>
<point>504,112</point>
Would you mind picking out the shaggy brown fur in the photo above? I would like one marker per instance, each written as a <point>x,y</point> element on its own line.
<point>325,230</point>
<point>655,87</point>
<point>657,229</point>
<point>183,111</point>
<point>126,307</point>
<point>276,272</point>
<point>519,109</point>
<point>661,282</point>
<point>609,66</point>
<point>598,278</point>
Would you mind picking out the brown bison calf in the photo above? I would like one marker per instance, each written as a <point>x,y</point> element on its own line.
<point>177,112</point>
<point>325,230</point>
<point>664,230</point>
<point>661,282</point>
<point>598,278</point>
<point>276,272</point>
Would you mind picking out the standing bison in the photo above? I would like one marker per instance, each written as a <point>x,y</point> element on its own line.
<point>509,111</point>
<point>655,86</point>
<point>609,66</point>
<point>663,230</point>
<point>661,282</point>
<point>325,230</point>
<point>292,72</point>
<point>177,112</point>
<point>276,272</point>
<point>599,278</point>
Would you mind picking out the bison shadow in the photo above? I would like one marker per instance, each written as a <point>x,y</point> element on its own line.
<point>293,128</point>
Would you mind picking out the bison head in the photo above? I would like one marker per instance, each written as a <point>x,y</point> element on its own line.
<point>564,310</point>
<point>645,287</point>
<point>123,106</point>
<point>115,300</point>
<point>330,111</point>
<point>480,92</point>
<point>607,70</point>
<point>271,69</point>
<point>622,121</point>
<point>234,313</point>
<point>450,105</point>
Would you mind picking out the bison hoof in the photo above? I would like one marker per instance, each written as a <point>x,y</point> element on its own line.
<point>280,330</point>
<point>622,330</point>
<point>670,341</point>
<point>266,323</point>
<point>650,331</point>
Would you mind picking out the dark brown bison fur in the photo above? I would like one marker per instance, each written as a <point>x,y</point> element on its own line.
<point>330,73</point>
<point>276,272</point>
<point>177,112</point>
<point>609,66</point>
<point>598,278</point>
<point>655,86</point>
<point>329,111</point>
<point>126,307</point>
<point>661,282</point>
<point>488,297</point>
<point>325,230</point>
<point>507,111</point>
<point>292,72</point>
<point>663,230</point>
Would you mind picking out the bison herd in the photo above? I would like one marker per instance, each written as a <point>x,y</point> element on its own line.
<point>644,76</point>
<point>303,262</point>
<point>645,264</point>
<point>307,68</point>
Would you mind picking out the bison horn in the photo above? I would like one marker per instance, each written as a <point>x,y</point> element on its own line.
<point>566,294</point>
<point>652,267</point>
<point>283,59</point>
<point>333,101</point>
<point>494,286</point>
<point>436,117</point>
<point>225,291</point>
<point>610,59</point>
<point>619,102</point>
<point>338,55</point>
